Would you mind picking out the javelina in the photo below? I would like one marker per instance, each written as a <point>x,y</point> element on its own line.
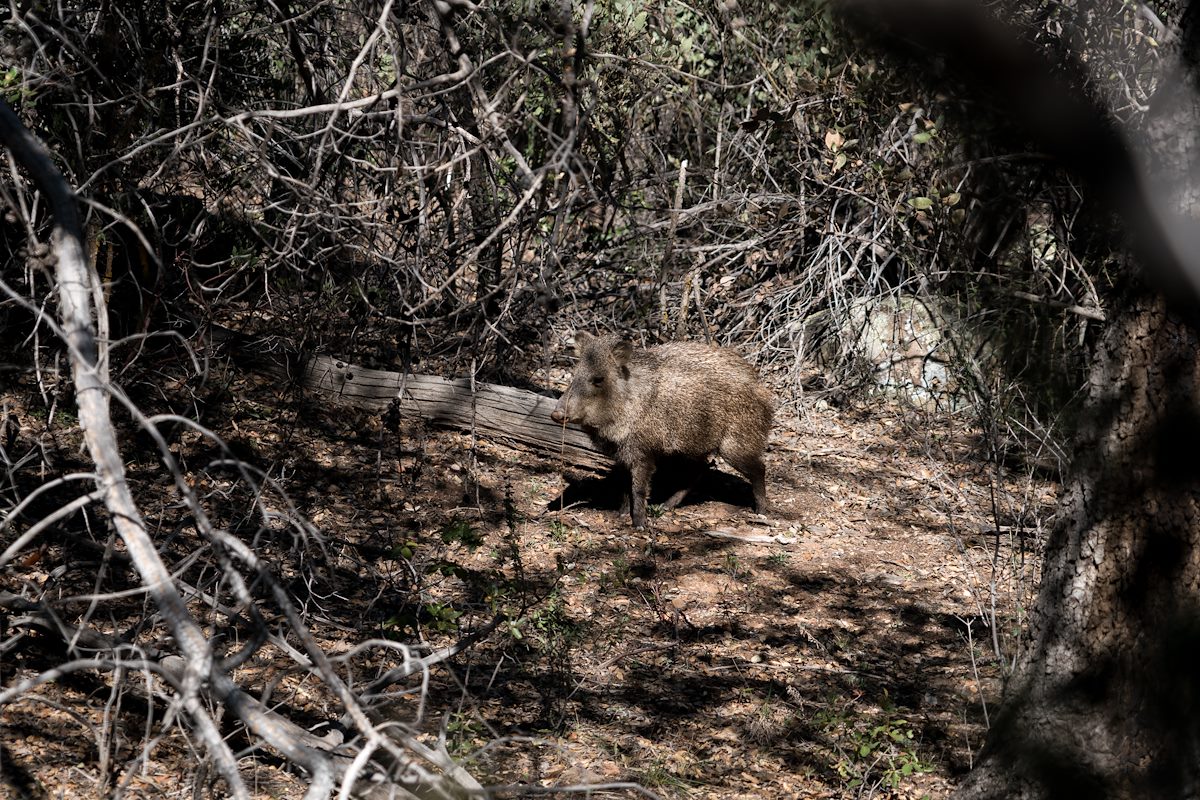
<point>677,399</point>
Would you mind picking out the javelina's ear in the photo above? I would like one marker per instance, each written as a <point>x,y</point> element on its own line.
<point>582,340</point>
<point>621,352</point>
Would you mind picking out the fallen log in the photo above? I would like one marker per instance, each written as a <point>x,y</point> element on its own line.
<point>503,412</point>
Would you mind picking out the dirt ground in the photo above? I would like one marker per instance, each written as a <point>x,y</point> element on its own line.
<point>841,646</point>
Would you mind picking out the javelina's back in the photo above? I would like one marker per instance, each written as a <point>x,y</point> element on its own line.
<point>679,398</point>
<point>690,398</point>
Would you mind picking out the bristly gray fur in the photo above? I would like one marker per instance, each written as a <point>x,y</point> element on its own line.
<point>676,399</point>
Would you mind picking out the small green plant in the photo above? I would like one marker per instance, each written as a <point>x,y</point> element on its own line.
<point>511,536</point>
<point>888,751</point>
<point>553,632</point>
<point>618,576</point>
<point>405,550</point>
<point>442,617</point>
<point>387,69</point>
<point>779,558</point>
<point>661,776</point>
<point>497,595</point>
<point>400,624</point>
<point>558,530</point>
<point>870,756</point>
<point>656,510</point>
<point>447,569</point>
<point>247,409</point>
<point>16,94</point>
<point>459,530</point>
<point>464,733</point>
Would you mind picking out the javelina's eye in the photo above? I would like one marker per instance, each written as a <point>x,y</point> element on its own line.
<point>598,380</point>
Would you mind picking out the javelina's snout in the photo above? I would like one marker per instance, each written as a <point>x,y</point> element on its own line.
<point>562,412</point>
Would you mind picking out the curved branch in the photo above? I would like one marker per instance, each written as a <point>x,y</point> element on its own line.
<point>92,396</point>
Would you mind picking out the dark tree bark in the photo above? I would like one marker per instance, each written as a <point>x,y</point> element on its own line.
<point>1103,704</point>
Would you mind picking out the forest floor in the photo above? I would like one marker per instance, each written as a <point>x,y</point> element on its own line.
<point>842,646</point>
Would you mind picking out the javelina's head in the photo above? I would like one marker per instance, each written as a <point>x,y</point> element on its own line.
<point>596,394</point>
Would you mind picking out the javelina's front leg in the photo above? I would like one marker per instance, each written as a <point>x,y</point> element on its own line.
<point>641,471</point>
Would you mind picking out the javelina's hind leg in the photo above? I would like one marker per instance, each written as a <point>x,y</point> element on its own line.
<point>674,500</point>
<point>755,470</point>
<point>681,472</point>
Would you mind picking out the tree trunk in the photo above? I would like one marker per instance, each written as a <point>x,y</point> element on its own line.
<point>1104,701</point>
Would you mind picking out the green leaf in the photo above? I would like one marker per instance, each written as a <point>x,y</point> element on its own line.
<point>404,551</point>
<point>459,530</point>
<point>920,203</point>
<point>922,137</point>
